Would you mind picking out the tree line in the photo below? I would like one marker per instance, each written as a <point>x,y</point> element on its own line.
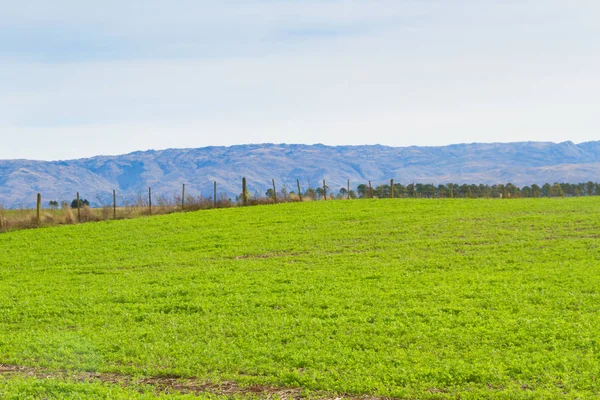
<point>450,190</point>
<point>413,190</point>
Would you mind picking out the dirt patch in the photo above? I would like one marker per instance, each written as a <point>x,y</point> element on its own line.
<point>164,384</point>
<point>266,256</point>
<point>191,386</point>
<point>296,254</point>
<point>174,384</point>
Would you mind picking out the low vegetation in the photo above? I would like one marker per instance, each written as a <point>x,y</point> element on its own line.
<point>66,214</point>
<point>62,213</point>
<point>468,298</point>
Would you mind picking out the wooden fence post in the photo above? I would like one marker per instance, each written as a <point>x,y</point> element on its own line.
<point>78,208</point>
<point>348,189</point>
<point>114,204</point>
<point>299,191</point>
<point>324,190</point>
<point>39,206</point>
<point>370,189</point>
<point>150,200</point>
<point>392,188</point>
<point>215,194</point>
<point>244,194</point>
<point>183,197</point>
<point>274,191</point>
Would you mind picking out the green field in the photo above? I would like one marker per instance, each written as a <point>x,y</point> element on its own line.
<point>407,299</point>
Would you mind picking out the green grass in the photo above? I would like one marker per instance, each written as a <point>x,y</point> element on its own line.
<point>400,298</point>
<point>26,388</point>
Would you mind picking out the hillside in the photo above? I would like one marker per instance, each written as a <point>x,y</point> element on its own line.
<point>165,171</point>
<point>406,299</point>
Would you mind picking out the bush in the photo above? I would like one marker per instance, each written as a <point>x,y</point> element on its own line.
<point>82,203</point>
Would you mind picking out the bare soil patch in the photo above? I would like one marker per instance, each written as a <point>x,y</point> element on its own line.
<point>175,384</point>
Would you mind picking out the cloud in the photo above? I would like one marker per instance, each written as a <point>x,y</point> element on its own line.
<point>114,30</point>
<point>120,76</point>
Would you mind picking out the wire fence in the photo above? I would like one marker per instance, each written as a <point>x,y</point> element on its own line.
<point>80,209</point>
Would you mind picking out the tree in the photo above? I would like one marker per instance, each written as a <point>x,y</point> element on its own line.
<point>82,203</point>
<point>382,191</point>
<point>556,190</point>
<point>399,190</point>
<point>412,190</point>
<point>311,194</point>
<point>590,188</point>
<point>511,190</point>
<point>362,190</point>
<point>421,190</point>
<point>496,191</point>
<point>319,192</point>
<point>430,190</point>
<point>270,194</point>
<point>503,191</point>
<point>451,190</point>
<point>463,190</point>
<point>442,191</point>
<point>546,190</point>
<point>53,204</point>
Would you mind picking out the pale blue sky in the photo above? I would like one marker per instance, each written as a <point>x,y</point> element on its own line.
<point>84,78</point>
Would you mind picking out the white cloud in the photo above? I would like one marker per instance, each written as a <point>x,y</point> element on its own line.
<point>398,73</point>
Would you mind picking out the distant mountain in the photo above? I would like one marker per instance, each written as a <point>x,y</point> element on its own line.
<point>166,170</point>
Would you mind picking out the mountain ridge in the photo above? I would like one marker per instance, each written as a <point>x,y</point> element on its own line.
<point>521,163</point>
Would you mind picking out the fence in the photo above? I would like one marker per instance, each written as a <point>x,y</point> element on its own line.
<point>24,218</point>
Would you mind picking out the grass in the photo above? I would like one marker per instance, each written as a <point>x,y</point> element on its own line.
<point>26,388</point>
<point>398,298</point>
<point>26,218</point>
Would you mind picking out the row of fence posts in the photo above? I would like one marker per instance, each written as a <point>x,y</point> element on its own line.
<point>244,197</point>
<point>245,192</point>
<point>114,196</point>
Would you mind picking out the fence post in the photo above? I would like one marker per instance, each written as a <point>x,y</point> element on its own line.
<point>78,208</point>
<point>39,206</point>
<point>114,204</point>
<point>215,194</point>
<point>392,187</point>
<point>182,197</point>
<point>299,191</point>
<point>150,200</point>
<point>324,190</point>
<point>348,189</point>
<point>274,191</point>
<point>370,189</point>
<point>244,194</point>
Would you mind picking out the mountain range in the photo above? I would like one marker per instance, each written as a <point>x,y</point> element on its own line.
<point>522,163</point>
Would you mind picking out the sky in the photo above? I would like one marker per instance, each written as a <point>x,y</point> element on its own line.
<point>82,78</point>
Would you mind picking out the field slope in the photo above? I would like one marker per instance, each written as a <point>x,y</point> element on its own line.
<point>387,298</point>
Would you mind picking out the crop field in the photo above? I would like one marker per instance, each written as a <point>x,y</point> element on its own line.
<point>407,299</point>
